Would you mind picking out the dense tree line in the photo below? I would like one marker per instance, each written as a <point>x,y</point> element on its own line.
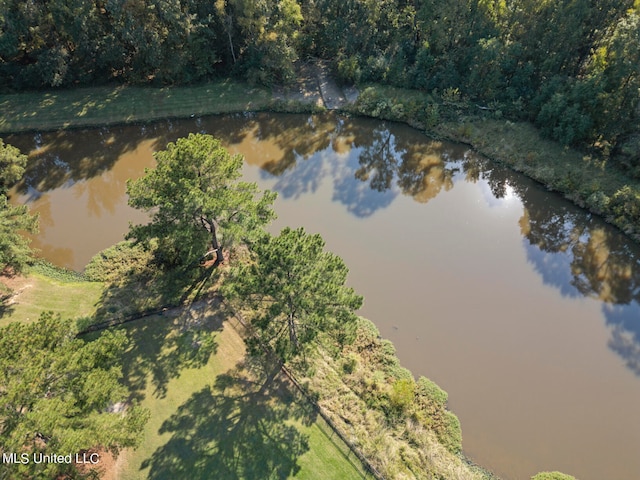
<point>571,66</point>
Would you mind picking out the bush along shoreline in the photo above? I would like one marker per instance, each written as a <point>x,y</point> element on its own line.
<point>401,425</point>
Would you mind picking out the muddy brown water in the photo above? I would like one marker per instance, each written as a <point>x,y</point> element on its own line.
<point>522,307</point>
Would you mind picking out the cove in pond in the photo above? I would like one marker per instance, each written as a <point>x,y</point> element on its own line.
<point>520,305</point>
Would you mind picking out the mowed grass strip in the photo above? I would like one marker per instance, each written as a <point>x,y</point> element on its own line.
<point>110,105</point>
<point>219,414</point>
<point>35,294</point>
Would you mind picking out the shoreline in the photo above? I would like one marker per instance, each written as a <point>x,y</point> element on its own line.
<point>589,181</point>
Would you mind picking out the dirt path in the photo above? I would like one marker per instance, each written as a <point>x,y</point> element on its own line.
<point>315,85</point>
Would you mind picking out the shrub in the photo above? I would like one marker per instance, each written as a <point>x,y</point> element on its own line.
<point>350,363</point>
<point>552,476</point>
<point>431,115</point>
<point>398,372</point>
<point>121,259</point>
<point>349,70</point>
<point>450,434</point>
<point>625,205</point>
<point>402,394</point>
<point>431,392</point>
<point>54,272</point>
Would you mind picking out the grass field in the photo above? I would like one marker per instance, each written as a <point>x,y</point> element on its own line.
<point>219,414</point>
<point>37,293</point>
<point>108,105</point>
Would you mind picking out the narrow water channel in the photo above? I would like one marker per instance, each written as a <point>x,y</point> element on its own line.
<point>523,307</point>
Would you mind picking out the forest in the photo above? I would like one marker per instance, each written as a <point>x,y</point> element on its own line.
<point>571,67</point>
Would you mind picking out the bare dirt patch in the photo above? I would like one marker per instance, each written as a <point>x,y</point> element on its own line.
<point>12,286</point>
<point>106,466</point>
<point>315,85</point>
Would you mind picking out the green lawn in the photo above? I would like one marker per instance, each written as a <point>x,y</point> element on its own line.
<point>37,293</point>
<point>107,105</point>
<point>217,414</point>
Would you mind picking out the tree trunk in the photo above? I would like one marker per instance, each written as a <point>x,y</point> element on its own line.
<point>293,335</point>
<point>229,22</point>
<point>216,245</point>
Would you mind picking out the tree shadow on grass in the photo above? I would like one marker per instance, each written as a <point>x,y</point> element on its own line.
<point>181,332</point>
<point>239,427</point>
<point>144,287</point>
<point>162,346</point>
<point>6,294</point>
<point>6,308</point>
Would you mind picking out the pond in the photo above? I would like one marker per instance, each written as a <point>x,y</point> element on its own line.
<point>524,308</point>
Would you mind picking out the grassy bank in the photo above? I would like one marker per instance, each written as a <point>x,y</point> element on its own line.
<point>210,404</point>
<point>402,426</point>
<point>39,292</point>
<point>109,105</point>
<point>591,182</point>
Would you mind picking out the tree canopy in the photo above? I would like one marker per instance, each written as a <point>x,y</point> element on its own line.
<point>12,165</point>
<point>570,66</point>
<point>55,391</point>
<point>297,291</point>
<point>197,202</point>
<point>14,247</point>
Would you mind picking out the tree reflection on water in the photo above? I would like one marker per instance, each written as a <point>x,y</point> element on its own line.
<point>575,252</point>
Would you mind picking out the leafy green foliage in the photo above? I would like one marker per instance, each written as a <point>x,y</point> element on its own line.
<point>268,36</point>
<point>402,394</point>
<point>297,291</point>
<point>449,432</point>
<point>12,165</point>
<point>573,67</point>
<point>431,392</point>
<point>54,272</point>
<point>113,263</point>
<point>56,390</point>
<point>387,387</point>
<point>625,205</point>
<point>14,247</point>
<point>196,201</point>
<point>552,476</point>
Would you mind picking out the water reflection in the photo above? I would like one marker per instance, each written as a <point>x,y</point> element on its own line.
<point>588,257</point>
<point>390,160</point>
<point>573,251</point>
